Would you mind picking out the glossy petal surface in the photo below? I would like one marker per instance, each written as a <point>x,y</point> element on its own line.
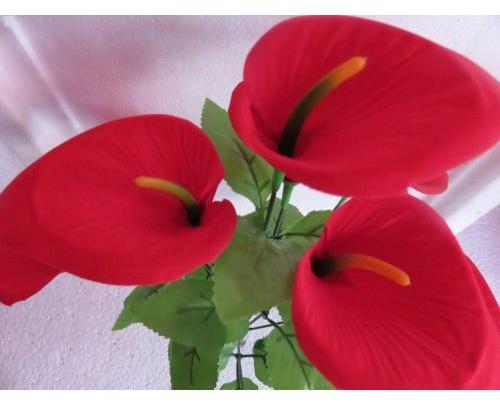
<point>363,331</point>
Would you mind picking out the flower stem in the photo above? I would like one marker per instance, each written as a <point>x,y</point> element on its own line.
<point>285,199</point>
<point>275,185</point>
<point>270,207</point>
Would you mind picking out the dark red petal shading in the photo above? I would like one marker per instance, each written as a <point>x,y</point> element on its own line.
<point>78,209</point>
<point>415,111</point>
<point>363,331</point>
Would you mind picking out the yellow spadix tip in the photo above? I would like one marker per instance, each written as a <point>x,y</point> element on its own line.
<point>324,267</point>
<point>190,203</point>
<point>374,265</point>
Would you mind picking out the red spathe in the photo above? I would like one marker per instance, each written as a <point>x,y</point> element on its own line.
<point>78,210</point>
<point>364,331</point>
<point>416,110</point>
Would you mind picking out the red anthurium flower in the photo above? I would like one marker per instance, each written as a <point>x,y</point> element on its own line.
<point>129,202</point>
<point>356,107</point>
<point>387,299</point>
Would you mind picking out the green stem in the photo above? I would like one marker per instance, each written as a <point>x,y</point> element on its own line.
<point>278,178</point>
<point>285,199</point>
<point>269,212</point>
<point>279,222</point>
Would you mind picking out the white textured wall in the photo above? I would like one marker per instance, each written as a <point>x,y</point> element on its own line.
<point>60,75</point>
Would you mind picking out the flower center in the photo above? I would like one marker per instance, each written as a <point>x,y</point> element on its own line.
<point>360,261</point>
<point>329,82</point>
<point>193,209</point>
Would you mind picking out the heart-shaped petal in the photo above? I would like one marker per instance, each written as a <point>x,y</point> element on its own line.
<point>78,208</point>
<point>415,110</point>
<point>364,331</point>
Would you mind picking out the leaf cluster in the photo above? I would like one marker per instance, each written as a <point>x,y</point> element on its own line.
<point>206,315</point>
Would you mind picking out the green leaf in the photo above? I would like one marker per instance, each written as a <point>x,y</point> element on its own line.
<point>255,273</point>
<point>193,367</point>
<point>248,385</point>
<point>310,226</point>
<point>285,310</point>
<point>126,317</point>
<point>236,330</point>
<point>205,272</point>
<point>184,312</point>
<point>245,172</point>
<point>287,365</point>
<point>225,354</point>
<point>199,342</point>
<point>260,363</point>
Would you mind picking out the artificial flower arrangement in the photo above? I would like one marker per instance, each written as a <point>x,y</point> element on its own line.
<point>375,293</point>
